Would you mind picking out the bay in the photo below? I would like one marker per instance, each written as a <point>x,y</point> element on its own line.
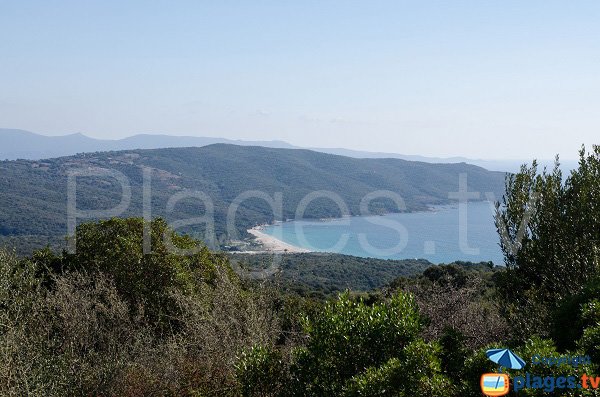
<point>442,235</point>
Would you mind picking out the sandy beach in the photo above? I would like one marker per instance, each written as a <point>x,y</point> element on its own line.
<point>272,244</point>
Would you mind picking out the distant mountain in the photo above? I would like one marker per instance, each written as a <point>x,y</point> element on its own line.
<point>33,194</point>
<point>383,155</point>
<point>492,165</point>
<point>148,141</point>
<point>15,144</point>
<point>19,144</point>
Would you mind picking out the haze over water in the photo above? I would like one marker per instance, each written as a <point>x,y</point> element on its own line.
<point>434,235</point>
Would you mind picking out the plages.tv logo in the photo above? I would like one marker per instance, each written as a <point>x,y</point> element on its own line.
<point>498,384</point>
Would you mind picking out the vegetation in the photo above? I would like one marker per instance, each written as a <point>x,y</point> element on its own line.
<point>327,273</point>
<point>33,194</point>
<point>550,289</point>
<point>353,349</point>
<point>558,255</point>
<point>88,324</point>
<point>111,320</point>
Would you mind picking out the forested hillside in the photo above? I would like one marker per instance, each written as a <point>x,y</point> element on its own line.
<point>33,194</point>
<point>112,320</point>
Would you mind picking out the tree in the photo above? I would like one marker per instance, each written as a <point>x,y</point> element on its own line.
<point>111,320</point>
<point>115,247</point>
<point>550,237</point>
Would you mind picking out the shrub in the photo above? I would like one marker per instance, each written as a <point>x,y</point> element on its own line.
<point>453,353</point>
<point>115,247</point>
<point>462,308</point>
<point>71,340</point>
<point>590,340</point>
<point>73,324</point>
<point>347,337</point>
<point>260,372</point>
<point>416,372</point>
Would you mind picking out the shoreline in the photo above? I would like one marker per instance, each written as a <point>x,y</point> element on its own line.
<point>272,244</point>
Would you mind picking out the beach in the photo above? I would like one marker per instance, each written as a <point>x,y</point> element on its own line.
<point>272,244</point>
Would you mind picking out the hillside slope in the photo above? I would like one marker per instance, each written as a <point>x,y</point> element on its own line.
<point>33,194</point>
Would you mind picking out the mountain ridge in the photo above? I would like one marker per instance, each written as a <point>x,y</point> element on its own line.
<point>33,146</point>
<point>34,200</point>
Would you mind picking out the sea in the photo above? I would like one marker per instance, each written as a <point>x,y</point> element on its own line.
<point>442,235</point>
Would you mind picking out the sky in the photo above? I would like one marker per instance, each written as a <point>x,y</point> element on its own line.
<point>481,79</point>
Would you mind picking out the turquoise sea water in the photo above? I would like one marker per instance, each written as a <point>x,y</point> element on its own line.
<point>443,235</point>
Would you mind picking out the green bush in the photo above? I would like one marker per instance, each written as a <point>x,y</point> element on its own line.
<point>71,340</point>
<point>87,323</point>
<point>571,317</point>
<point>416,372</point>
<point>115,247</point>
<point>348,337</point>
<point>590,341</point>
<point>260,372</point>
<point>453,353</point>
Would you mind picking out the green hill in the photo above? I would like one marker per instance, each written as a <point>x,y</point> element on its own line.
<point>324,273</point>
<point>33,194</point>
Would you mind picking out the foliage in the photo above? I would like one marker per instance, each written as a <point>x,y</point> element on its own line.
<point>73,324</point>
<point>590,340</point>
<point>307,273</point>
<point>71,340</point>
<point>453,353</point>
<point>417,372</point>
<point>34,197</point>
<point>573,315</point>
<point>459,298</point>
<point>115,247</point>
<point>349,336</point>
<point>558,252</point>
<point>260,372</point>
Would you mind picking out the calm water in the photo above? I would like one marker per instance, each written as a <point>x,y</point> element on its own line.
<point>438,236</point>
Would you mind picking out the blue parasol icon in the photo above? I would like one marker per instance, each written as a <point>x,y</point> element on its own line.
<point>505,358</point>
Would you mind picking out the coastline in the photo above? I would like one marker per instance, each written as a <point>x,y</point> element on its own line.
<point>272,244</point>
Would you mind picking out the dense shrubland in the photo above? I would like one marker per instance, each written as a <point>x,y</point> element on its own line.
<point>110,320</point>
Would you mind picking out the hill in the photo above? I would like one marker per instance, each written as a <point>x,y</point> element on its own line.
<point>33,194</point>
<point>20,144</point>
<point>326,273</point>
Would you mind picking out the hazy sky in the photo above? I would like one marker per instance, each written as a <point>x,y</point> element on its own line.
<point>486,79</point>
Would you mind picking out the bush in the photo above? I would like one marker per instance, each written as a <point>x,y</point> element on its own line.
<point>416,372</point>
<point>590,340</point>
<point>71,340</point>
<point>463,308</point>
<point>573,315</point>
<point>260,372</point>
<point>453,353</point>
<point>115,247</point>
<point>347,337</point>
<point>72,325</point>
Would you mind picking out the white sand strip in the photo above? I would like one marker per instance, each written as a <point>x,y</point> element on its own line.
<point>272,244</point>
